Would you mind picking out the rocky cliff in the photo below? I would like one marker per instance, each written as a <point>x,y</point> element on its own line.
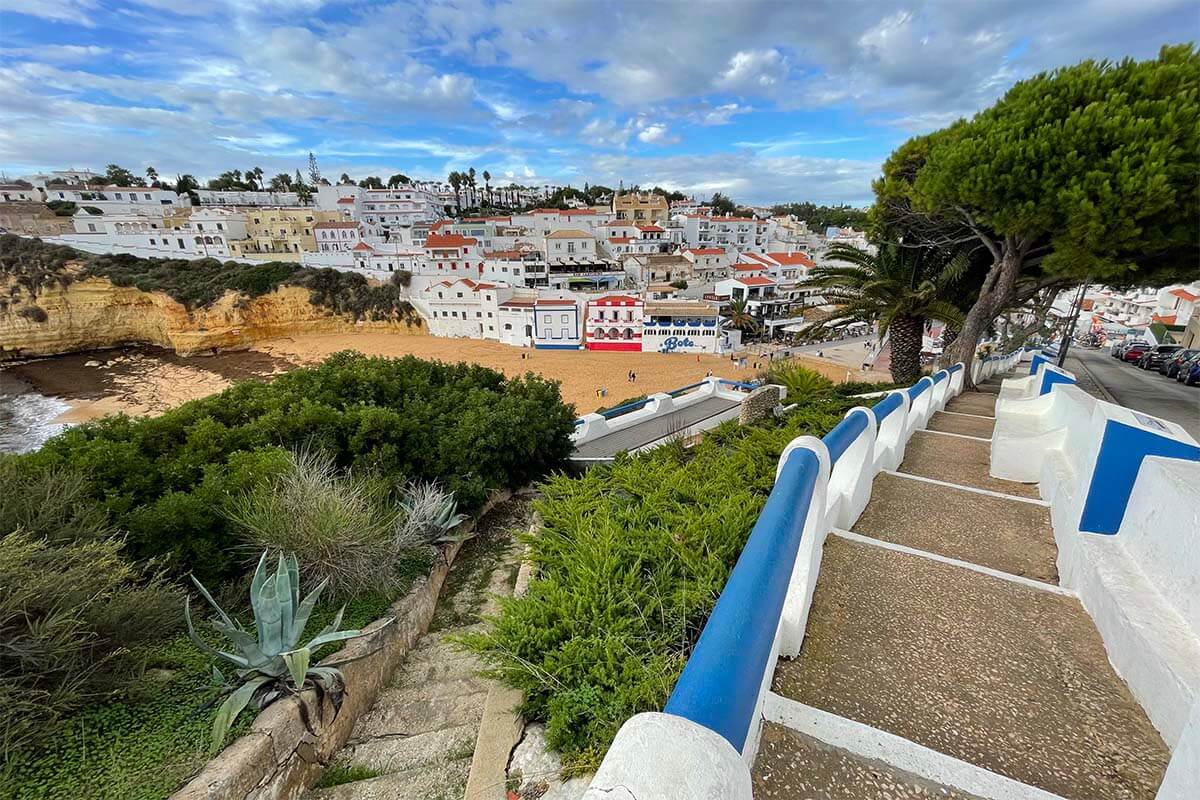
<point>94,314</point>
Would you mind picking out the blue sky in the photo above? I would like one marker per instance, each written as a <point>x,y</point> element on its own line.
<point>765,101</point>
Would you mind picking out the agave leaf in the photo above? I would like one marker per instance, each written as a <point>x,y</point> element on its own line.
<point>205,646</point>
<point>217,677</point>
<point>244,642</point>
<point>327,677</point>
<point>260,576</point>
<point>297,664</point>
<point>286,597</point>
<point>293,568</point>
<point>268,617</point>
<point>230,709</point>
<point>220,611</point>
<point>335,636</point>
<point>303,613</point>
<point>333,626</point>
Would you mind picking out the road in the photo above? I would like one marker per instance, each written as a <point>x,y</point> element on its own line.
<point>1141,390</point>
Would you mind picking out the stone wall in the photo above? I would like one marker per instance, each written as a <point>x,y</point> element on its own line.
<point>759,404</point>
<point>282,756</point>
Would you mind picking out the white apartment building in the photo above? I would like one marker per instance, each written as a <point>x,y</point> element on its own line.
<point>515,317</point>
<point>1177,304</point>
<point>333,237</point>
<point>388,209</point>
<point>464,308</point>
<point>557,324</point>
<point>11,193</point>
<point>117,199</point>
<point>568,246</point>
<point>203,234</point>
<point>709,263</point>
<point>222,198</point>
<point>741,234</point>
<point>451,255</point>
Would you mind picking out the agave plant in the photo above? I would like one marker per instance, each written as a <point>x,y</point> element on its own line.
<point>430,513</point>
<point>269,661</point>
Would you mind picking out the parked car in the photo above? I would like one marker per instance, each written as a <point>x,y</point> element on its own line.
<point>1186,367</point>
<point>1170,365</point>
<point>1121,348</point>
<point>1153,357</point>
<point>1193,373</point>
<point>1134,352</point>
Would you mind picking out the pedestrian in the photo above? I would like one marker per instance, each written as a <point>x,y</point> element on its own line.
<point>632,376</point>
<point>709,374</point>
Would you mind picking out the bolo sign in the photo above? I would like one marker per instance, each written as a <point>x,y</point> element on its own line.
<point>673,343</point>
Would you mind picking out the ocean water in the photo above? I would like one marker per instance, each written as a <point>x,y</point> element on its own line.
<point>26,417</point>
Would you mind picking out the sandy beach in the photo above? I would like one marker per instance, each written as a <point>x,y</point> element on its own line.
<point>581,372</point>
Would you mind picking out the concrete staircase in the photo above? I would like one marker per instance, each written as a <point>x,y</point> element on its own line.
<point>939,643</point>
<point>418,739</point>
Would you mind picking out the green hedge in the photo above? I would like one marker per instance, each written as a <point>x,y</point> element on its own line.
<point>628,564</point>
<point>163,479</point>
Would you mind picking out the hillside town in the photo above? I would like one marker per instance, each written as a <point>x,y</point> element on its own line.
<point>633,271</point>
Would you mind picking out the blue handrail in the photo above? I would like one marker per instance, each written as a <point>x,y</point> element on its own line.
<point>886,406</point>
<point>624,409</point>
<point>940,376</point>
<point>688,388</point>
<point>955,368</point>
<point>719,684</point>
<point>844,433</point>
<point>915,390</point>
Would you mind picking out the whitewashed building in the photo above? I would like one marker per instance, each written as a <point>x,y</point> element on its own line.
<point>682,327</point>
<point>335,237</point>
<point>557,324</point>
<point>235,198</point>
<point>118,199</point>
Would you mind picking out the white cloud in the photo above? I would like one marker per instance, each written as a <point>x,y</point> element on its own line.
<point>653,133</point>
<point>754,70</point>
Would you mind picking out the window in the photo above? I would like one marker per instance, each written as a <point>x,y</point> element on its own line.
<point>508,326</point>
<point>152,242</point>
<point>92,228</point>
<point>147,196</point>
<point>565,319</point>
<point>117,195</point>
<point>479,315</point>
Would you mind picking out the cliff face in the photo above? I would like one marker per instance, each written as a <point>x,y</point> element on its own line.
<point>93,314</point>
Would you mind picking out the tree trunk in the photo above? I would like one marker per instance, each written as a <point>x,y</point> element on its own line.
<point>905,333</point>
<point>996,291</point>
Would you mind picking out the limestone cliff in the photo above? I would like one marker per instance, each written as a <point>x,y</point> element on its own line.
<point>93,314</point>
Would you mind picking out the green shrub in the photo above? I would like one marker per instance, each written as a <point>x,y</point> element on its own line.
<point>803,383</point>
<point>69,612</point>
<point>628,565</point>
<point>850,388</point>
<point>165,479</point>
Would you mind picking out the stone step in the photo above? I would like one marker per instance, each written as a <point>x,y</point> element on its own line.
<point>960,461</point>
<point>1004,676</point>
<point>446,781</point>
<point>791,765</point>
<point>1006,535</point>
<point>961,424</point>
<point>387,754</point>
<point>982,403</point>
<point>407,712</point>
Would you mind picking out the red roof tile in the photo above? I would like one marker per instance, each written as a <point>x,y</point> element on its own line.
<point>554,301</point>
<point>620,239</point>
<point>616,300</point>
<point>706,251</point>
<point>345,199</point>
<point>755,281</point>
<point>448,240</point>
<point>790,259</point>
<point>1185,294</point>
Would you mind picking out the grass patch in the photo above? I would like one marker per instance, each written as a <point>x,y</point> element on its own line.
<point>337,774</point>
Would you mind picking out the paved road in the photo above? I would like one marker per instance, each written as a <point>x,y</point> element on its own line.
<point>653,429</point>
<point>1142,390</point>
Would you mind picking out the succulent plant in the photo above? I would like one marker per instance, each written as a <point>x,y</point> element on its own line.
<point>269,661</point>
<point>429,516</point>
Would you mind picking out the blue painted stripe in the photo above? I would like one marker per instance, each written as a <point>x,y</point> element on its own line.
<point>1122,450</point>
<point>915,390</point>
<point>843,434</point>
<point>940,376</point>
<point>719,685</point>
<point>886,406</point>
<point>954,368</point>
<point>624,409</point>
<point>1037,359</point>
<point>1051,377</point>
<point>688,388</point>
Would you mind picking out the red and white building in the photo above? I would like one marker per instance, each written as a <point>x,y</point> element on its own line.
<point>453,255</point>
<point>615,322</point>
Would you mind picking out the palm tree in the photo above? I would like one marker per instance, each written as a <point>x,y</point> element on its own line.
<point>487,185</point>
<point>741,318</point>
<point>152,176</point>
<point>456,181</point>
<point>345,180</point>
<point>471,182</point>
<point>899,288</point>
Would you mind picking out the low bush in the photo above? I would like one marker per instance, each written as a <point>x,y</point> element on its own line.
<point>628,564</point>
<point>165,479</point>
<point>850,388</point>
<point>69,614</point>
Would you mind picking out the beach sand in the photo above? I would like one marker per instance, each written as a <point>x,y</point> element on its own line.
<point>581,372</point>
